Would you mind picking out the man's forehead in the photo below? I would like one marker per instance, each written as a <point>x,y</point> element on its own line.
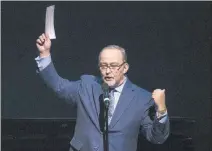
<point>110,52</point>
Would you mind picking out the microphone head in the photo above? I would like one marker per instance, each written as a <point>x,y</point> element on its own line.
<point>105,87</point>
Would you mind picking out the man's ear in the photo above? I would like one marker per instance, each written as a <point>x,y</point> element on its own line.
<point>126,68</point>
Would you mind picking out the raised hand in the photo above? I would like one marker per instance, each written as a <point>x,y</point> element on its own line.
<point>159,97</point>
<point>43,44</point>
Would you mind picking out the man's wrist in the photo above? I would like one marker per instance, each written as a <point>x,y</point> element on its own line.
<point>43,55</point>
<point>162,110</point>
<point>161,113</point>
<point>43,62</point>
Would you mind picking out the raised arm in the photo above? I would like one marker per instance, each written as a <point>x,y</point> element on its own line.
<point>64,88</point>
<point>156,130</point>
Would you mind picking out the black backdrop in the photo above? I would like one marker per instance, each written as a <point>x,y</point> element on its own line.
<point>168,45</point>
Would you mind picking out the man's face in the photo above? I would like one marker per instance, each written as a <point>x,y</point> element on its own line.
<point>112,66</point>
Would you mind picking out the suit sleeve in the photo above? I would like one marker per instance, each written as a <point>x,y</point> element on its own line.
<point>154,131</point>
<point>65,89</point>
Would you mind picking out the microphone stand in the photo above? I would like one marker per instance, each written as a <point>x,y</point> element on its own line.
<point>106,100</point>
<point>105,133</point>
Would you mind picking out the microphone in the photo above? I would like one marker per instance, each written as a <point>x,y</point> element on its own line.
<point>105,89</point>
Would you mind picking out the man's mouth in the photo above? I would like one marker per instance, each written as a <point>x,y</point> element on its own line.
<point>108,78</point>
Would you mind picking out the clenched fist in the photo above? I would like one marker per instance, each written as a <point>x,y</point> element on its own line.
<point>159,97</point>
<point>43,44</point>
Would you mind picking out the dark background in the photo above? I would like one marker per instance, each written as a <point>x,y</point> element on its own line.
<point>168,45</point>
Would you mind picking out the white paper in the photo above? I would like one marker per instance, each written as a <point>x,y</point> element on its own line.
<point>49,24</point>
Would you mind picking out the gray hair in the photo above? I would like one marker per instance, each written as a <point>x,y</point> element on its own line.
<point>122,50</point>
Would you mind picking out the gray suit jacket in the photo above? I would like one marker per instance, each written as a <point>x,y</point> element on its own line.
<point>129,119</point>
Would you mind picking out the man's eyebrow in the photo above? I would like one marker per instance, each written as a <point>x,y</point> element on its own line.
<point>102,63</point>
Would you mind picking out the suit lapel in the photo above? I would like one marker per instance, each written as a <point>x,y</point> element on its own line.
<point>98,96</point>
<point>92,105</point>
<point>125,99</point>
<point>91,110</point>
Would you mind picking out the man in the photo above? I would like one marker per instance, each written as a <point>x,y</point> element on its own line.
<point>129,108</point>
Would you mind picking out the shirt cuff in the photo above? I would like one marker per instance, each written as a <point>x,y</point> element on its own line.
<point>162,117</point>
<point>43,62</point>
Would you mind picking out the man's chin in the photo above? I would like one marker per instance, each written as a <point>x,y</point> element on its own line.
<point>110,83</point>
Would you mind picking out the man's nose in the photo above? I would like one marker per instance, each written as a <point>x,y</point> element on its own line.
<point>108,70</point>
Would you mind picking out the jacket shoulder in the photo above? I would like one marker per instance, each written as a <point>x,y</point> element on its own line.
<point>143,94</point>
<point>141,90</point>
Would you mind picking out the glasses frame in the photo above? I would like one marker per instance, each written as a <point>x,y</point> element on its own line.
<point>115,68</point>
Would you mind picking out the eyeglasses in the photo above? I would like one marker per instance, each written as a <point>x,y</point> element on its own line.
<point>111,66</point>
